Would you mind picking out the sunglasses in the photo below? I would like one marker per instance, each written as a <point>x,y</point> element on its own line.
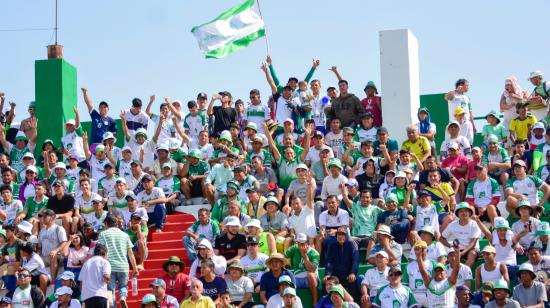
<point>22,276</point>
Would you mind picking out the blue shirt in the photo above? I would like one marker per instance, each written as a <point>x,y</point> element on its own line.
<point>101,125</point>
<point>392,146</point>
<point>270,283</point>
<point>336,253</point>
<point>325,302</point>
<point>214,288</point>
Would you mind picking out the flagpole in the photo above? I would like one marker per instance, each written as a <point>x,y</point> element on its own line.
<point>265,31</point>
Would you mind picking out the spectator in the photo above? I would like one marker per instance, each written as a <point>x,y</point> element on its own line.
<point>95,275</point>
<point>396,218</point>
<point>153,199</point>
<point>343,249</point>
<point>466,127</point>
<point>254,262</point>
<point>529,292</point>
<point>20,296</point>
<point>239,286</point>
<point>274,220</point>
<point>459,98</point>
<point>266,239</point>
<point>419,289</point>
<point>10,208</point>
<point>511,95</point>
<point>329,221</point>
<point>491,270</point>
<point>205,251</point>
<point>501,294</point>
<point>224,115</point>
<point>220,210</point>
<point>231,245</point>
<point>462,143</point>
<point>270,282</point>
<point>539,262</point>
<point>337,297</point>
<point>525,187</point>
<point>365,217</point>
<point>120,249</point>
<point>304,263</point>
<point>493,126</point>
<point>457,164</point>
<point>373,103</point>
<point>32,262</point>
<point>526,222</point>
<point>256,150</point>
<point>193,174</point>
<point>435,250</point>
<point>159,290</point>
<point>213,284</point>
<point>204,228</point>
<point>178,284</point>
<point>286,294</point>
<point>483,194</point>
<point>302,218</point>
<point>426,127</point>
<point>53,241</point>
<point>464,297</point>
<point>62,204</point>
<point>347,106</point>
<point>417,144</point>
<point>197,300</point>
<point>497,160</point>
<point>383,138</point>
<point>256,202</point>
<point>394,293</point>
<point>76,254</point>
<point>375,278</point>
<point>425,213</point>
<point>465,230</point>
<point>64,299</point>
<point>11,256</point>
<point>538,100</point>
<point>385,242</point>
<point>520,127</point>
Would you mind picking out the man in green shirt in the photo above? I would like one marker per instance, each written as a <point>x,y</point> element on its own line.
<point>192,174</point>
<point>220,210</point>
<point>365,217</point>
<point>304,262</point>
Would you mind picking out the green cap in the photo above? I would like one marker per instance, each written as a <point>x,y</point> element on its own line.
<point>225,137</point>
<point>334,162</point>
<point>543,228</point>
<point>501,284</point>
<point>439,266</point>
<point>338,289</point>
<point>492,138</point>
<point>286,279</point>
<point>501,224</point>
<point>20,136</point>
<point>141,131</point>
<point>271,199</point>
<point>527,268</point>
<point>493,114</point>
<point>3,233</point>
<point>100,148</point>
<point>32,104</point>
<point>252,125</point>
<point>463,205</point>
<point>149,298</point>
<point>392,197</point>
<point>523,203</point>
<point>371,84</point>
<point>233,185</point>
<point>196,153</point>
<point>349,130</point>
<point>167,165</point>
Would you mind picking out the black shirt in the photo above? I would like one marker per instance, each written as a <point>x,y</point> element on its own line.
<point>223,118</point>
<point>61,206</point>
<point>229,248</point>
<point>370,183</point>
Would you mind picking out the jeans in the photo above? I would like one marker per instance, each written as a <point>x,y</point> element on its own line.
<point>122,279</point>
<point>189,244</point>
<point>158,216</point>
<point>400,231</point>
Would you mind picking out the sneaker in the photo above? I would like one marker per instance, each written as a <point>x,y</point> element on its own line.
<point>123,302</point>
<point>158,230</point>
<point>188,202</point>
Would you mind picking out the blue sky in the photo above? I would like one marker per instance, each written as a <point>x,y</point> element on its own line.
<point>124,49</point>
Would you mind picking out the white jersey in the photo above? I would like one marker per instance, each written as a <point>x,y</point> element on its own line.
<point>462,101</point>
<point>464,273</point>
<point>107,185</point>
<point>255,268</point>
<point>97,167</point>
<point>426,217</point>
<point>155,194</point>
<point>126,214</point>
<point>320,104</point>
<point>85,206</point>
<point>374,279</point>
<point>464,234</point>
<point>282,112</point>
<point>257,114</point>
<point>441,294</point>
<point>74,144</point>
<point>416,283</point>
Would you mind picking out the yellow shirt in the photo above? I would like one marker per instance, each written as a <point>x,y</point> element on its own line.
<point>521,127</point>
<point>203,302</point>
<point>259,210</point>
<point>419,148</point>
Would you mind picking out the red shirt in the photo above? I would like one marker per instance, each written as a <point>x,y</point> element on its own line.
<point>473,172</point>
<point>371,105</point>
<point>459,161</point>
<point>179,286</point>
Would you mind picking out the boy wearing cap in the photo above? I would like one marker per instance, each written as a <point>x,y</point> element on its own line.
<point>350,147</point>
<point>526,187</point>
<point>490,270</point>
<point>170,185</point>
<point>256,150</point>
<point>465,230</point>
<point>396,218</point>
<point>286,295</point>
<point>501,294</point>
<point>158,287</point>
<point>494,127</point>
<point>497,160</point>
<point>463,144</point>
<point>298,187</point>
<point>304,262</point>
<point>366,130</point>
<point>72,142</point>
<point>192,174</point>
<point>153,199</point>
<point>98,161</point>
<point>215,183</point>
<point>64,299</point>
<point>106,184</point>
<point>483,194</point>
<point>116,200</point>
<point>246,182</point>
<point>220,210</point>
<point>466,127</point>
<point>332,182</point>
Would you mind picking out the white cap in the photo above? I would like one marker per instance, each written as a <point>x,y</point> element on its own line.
<point>60,165</point>
<point>71,122</point>
<point>538,125</point>
<point>97,198</point>
<point>535,74</point>
<point>453,145</point>
<point>25,226</point>
<point>32,168</point>
<point>63,291</point>
<point>383,254</point>
<point>121,180</point>
<point>108,135</point>
<point>288,120</point>
<point>127,148</point>
<point>233,222</point>
<point>254,223</point>
<point>301,238</point>
<point>204,243</point>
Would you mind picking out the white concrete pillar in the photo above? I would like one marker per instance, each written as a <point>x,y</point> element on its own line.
<point>399,81</point>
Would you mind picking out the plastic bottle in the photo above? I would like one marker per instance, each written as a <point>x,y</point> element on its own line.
<point>134,286</point>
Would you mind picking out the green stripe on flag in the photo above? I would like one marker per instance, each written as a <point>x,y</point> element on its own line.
<point>231,12</point>
<point>235,45</point>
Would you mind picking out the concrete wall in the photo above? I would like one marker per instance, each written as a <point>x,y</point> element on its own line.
<point>400,81</point>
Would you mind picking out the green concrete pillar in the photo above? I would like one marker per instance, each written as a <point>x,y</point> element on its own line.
<point>56,98</point>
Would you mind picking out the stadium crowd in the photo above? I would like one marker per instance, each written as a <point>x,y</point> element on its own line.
<point>300,192</point>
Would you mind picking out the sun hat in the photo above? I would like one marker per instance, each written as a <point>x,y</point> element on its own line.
<point>392,197</point>
<point>501,285</point>
<point>141,131</point>
<point>254,223</point>
<point>276,256</point>
<point>459,111</point>
<point>162,147</point>
<point>233,222</point>
<point>463,205</point>
<point>100,148</point>
<point>67,275</point>
<point>427,229</point>
<point>383,254</point>
<point>494,114</point>
<point>173,260</point>
<point>383,229</point>
<point>233,185</point>
<point>420,244</point>
<point>108,135</point>
<point>526,267</point>
<point>539,125</point>
<point>487,287</point>
<point>194,154</point>
<point>252,125</point>
<point>301,238</point>
<point>60,165</point>
<point>127,148</point>
<point>534,74</point>
<point>174,144</point>
<point>524,203</point>
<point>271,199</point>
<point>204,243</point>
<point>236,264</point>
<point>338,290</point>
<point>334,162</point>
<point>501,224</point>
<point>25,227</point>
<point>371,84</point>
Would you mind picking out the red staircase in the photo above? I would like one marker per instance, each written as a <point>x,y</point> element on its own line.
<point>161,246</point>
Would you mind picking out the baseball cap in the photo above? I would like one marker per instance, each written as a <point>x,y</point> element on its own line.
<point>348,130</point>
<point>395,270</point>
<point>286,279</point>
<point>64,291</point>
<point>252,239</point>
<point>167,165</point>
<point>130,195</point>
<point>383,254</point>
<point>147,177</point>
<point>301,238</point>
<point>135,215</point>
<point>289,291</point>
<point>202,95</point>
<point>70,122</point>
<point>158,282</point>
<point>120,180</point>
<point>67,275</point>
<point>352,182</point>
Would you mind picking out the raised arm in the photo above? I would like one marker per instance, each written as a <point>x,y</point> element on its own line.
<point>109,154</point>
<point>345,197</point>
<point>269,79</point>
<point>11,113</point>
<point>274,149</point>
<point>124,125</point>
<point>149,105</point>
<point>272,72</point>
<point>335,70</point>
<point>210,111</point>
<point>483,229</point>
<point>420,261</point>
<point>33,132</point>
<point>87,100</point>
<point>87,152</point>
<point>76,118</point>
<point>162,118</point>
<point>2,100</point>
<point>311,71</point>
<point>180,131</point>
<point>307,143</point>
<point>455,268</point>
<point>173,109</point>
<point>311,185</point>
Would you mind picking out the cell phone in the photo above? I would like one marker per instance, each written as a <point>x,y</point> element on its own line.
<point>456,242</point>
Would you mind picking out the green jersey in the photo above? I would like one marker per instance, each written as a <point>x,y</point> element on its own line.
<point>32,207</point>
<point>168,185</point>
<point>297,266</point>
